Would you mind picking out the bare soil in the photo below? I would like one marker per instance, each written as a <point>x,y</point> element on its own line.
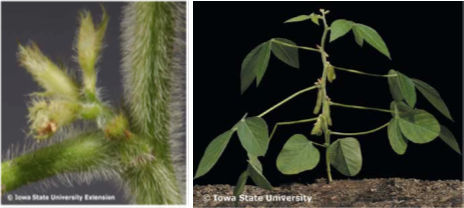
<point>383,192</point>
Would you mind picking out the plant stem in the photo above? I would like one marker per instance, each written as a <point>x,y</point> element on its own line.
<point>360,107</point>
<point>83,153</point>
<point>363,73</point>
<point>295,46</point>
<point>149,46</point>
<point>324,92</point>
<point>286,100</point>
<point>360,133</point>
<point>317,144</point>
<point>290,123</point>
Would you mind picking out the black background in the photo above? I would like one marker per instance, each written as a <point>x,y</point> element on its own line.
<point>424,40</point>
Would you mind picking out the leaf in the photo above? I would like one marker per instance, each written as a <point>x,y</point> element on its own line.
<point>402,87</point>
<point>254,160</point>
<point>339,28</point>
<point>432,95</point>
<point>285,53</point>
<point>394,85</point>
<point>299,18</point>
<point>315,18</point>
<point>399,107</point>
<point>345,156</point>
<point>407,89</point>
<point>241,183</point>
<point>396,139</point>
<point>254,65</point>
<point>418,126</point>
<point>372,37</point>
<point>253,135</point>
<point>213,152</point>
<point>358,36</point>
<point>331,76</point>
<point>447,136</point>
<point>297,155</point>
<point>257,177</point>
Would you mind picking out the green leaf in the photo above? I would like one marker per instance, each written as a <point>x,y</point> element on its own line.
<point>394,86</point>
<point>402,87</point>
<point>297,155</point>
<point>399,107</point>
<point>241,183</point>
<point>447,136</point>
<point>255,162</point>
<point>254,65</point>
<point>345,156</point>
<point>418,126</point>
<point>407,89</point>
<point>396,139</point>
<point>257,177</point>
<point>372,37</point>
<point>285,53</point>
<point>358,36</point>
<point>253,135</point>
<point>213,152</point>
<point>315,18</point>
<point>298,18</point>
<point>432,95</point>
<point>339,28</point>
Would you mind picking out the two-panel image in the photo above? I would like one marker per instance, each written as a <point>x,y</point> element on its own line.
<point>231,104</point>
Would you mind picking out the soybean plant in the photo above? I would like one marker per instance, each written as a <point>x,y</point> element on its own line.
<point>134,145</point>
<point>408,124</point>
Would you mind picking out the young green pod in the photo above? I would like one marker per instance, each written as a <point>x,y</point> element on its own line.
<point>48,75</point>
<point>317,108</point>
<point>326,112</point>
<point>317,129</point>
<point>331,76</point>
<point>89,45</point>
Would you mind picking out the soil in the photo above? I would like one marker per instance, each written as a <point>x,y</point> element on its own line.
<point>384,192</point>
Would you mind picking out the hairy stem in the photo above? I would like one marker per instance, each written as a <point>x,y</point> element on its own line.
<point>360,133</point>
<point>360,107</point>
<point>289,123</point>
<point>82,153</point>
<point>363,73</point>
<point>148,64</point>
<point>295,46</point>
<point>287,99</point>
